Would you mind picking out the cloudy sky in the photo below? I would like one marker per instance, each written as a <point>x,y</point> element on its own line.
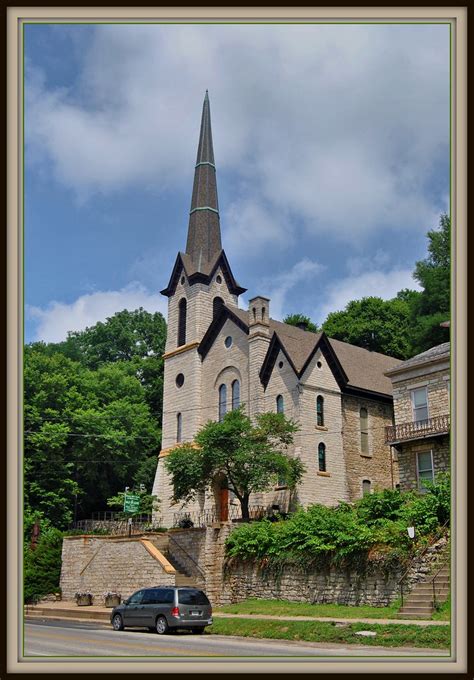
<point>331,145</point>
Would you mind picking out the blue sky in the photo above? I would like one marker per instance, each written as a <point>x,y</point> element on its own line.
<point>331,146</point>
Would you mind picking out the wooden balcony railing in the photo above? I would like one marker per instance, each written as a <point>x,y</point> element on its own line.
<point>418,430</point>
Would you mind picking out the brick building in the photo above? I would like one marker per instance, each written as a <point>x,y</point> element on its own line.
<point>421,387</point>
<point>219,356</point>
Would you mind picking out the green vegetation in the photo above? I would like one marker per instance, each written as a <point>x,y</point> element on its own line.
<point>390,635</point>
<point>238,455</point>
<point>42,565</point>
<point>91,415</point>
<point>286,608</point>
<point>295,319</point>
<point>443,612</point>
<point>371,531</point>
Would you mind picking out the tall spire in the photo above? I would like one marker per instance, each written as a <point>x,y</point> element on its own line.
<point>204,233</point>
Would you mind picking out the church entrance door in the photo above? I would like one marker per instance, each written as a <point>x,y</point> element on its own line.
<point>224,505</point>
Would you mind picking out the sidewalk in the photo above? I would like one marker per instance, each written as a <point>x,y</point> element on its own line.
<point>98,613</point>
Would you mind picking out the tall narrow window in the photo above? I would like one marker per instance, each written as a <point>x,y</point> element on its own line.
<point>366,484</point>
<point>279,403</point>
<point>425,469</point>
<point>222,401</point>
<point>182,322</point>
<point>320,411</point>
<point>364,431</point>
<point>179,422</point>
<point>235,394</point>
<point>322,457</point>
<point>419,399</point>
<point>217,305</point>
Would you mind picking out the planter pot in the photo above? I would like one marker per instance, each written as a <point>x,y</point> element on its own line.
<point>84,600</point>
<point>112,600</point>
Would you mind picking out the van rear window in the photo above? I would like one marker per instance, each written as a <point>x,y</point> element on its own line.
<point>192,597</point>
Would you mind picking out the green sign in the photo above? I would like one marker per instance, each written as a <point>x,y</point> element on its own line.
<point>131,503</point>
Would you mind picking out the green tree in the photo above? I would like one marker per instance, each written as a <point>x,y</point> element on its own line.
<point>295,319</point>
<point>248,458</point>
<point>432,307</point>
<point>375,324</point>
<point>88,433</point>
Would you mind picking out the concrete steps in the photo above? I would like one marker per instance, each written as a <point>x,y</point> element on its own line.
<point>419,603</point>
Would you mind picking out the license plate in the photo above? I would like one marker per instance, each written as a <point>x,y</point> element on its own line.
<point>196,613</point>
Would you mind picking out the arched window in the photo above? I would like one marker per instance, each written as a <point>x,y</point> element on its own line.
<point>217,305</point>
<point>222,401</point>
<point>235,394</point>
<point>182,322</point>
<point>364,431</point>
<point>279,402</point>
<point>320,411</point>
<point>179,422</point>
<point>322,457</point>
<point>366,486</point>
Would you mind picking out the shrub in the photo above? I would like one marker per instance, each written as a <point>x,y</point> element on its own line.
<point>42,566</point>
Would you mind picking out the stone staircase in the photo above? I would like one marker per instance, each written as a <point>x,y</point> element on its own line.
<point>419,603</point>
<point>183,576</point>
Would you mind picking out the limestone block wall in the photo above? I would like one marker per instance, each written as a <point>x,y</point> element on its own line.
<point>245,580</point>
<point>377,465</point>
<point>98,564</point>
<point>438,395</point>
<point>408,459</point>
<point>187,549</point>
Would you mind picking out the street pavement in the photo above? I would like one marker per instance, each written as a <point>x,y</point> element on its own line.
<point>70,639</point>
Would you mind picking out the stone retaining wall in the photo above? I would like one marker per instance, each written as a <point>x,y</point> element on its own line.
<point>98,564</point>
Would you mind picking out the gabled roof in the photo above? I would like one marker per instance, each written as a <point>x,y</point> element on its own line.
<point>356,370</point>
<point>438,353</point>
<point>184,263</point>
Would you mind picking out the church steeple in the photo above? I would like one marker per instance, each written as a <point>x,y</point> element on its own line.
<point>204,232</point>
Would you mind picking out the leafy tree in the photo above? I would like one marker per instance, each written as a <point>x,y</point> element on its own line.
<point>42,566</point>
<point>248,457</point>
<point>148,502</point>
<point>375,324</point>
<point>87,434</point>
<point>432,307</point>
<point>295,319</point>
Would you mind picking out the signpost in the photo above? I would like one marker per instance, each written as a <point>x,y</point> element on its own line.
<point>131,502</point>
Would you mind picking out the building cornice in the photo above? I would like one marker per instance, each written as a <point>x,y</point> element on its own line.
<point>180,350</point>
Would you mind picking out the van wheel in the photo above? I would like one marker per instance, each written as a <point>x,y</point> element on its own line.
<point>117,622</point>
<point>161,625</point>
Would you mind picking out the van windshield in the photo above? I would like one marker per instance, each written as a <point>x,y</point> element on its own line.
<point>192,597</point>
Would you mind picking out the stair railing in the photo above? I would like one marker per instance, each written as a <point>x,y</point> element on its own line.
<point>433,580</point>
<point>419,554</point>
<point>187,555</point>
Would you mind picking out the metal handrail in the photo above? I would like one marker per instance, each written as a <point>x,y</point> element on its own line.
<point>187,555</point>
<point>433,580</point>
<point>419,554</point>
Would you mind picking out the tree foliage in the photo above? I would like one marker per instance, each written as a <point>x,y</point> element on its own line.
<point>375,324</point>
<point>88,433</point>
<point>295,319</point>
<point>350,535</point>
<point>432,307</point>
<point>247,457</point>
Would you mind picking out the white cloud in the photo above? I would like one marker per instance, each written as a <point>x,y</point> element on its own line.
<point>338,127</point>
<point>54,321</point>
<point>278,287</point>
<point>384,284</point>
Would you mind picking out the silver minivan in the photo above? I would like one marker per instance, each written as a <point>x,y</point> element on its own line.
<point>162,608</point>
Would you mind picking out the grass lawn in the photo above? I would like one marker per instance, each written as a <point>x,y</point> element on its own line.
<point>434,637</point>
<point>444,612</point>
<point>285,608</point>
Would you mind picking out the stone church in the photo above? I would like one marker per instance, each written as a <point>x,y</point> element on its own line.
<point>219,356</point>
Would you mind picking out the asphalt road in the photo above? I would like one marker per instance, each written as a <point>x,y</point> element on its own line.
<point>70,639</point>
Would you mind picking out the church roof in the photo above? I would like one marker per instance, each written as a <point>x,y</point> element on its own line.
<point>356,368</point>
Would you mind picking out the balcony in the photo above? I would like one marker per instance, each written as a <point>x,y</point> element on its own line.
<point>405,432</point>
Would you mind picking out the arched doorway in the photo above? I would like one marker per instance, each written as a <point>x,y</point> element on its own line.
<point>221,498</point>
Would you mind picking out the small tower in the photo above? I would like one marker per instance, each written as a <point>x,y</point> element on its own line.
<point>259,340</point>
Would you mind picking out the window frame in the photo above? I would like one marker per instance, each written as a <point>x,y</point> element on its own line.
<point>420,487</point>
<point>179,428</point>
<point>322,450</point>
<point>364,432</point>
<point>414,409</point>
<point>279,400</point>
<point>222,394</point>
<point>235,388</point>
<point>320,411</point>
<point>182,321</point>
<point>367,493</point>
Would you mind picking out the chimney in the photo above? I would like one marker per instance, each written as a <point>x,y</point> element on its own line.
<point>259,340</point>
<point>303,325</point>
